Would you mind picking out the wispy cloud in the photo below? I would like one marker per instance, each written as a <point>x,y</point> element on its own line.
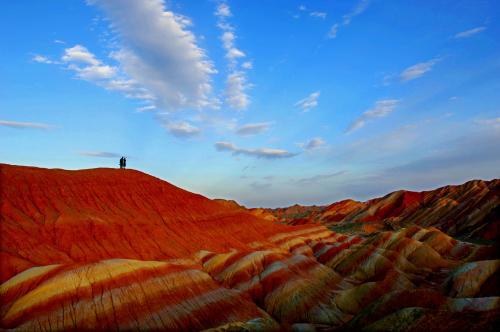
<point>417,70</point>
<point>182,129</point>
<point>333,31</point>
<point>236,85</point>
<point>223,10</point>
<point>309,102</point>
<point>358,9</point>
<point>266,153</point>
<point>381,109</point>
<point>145,108</point>
<point>25,125</point>
<point>99,154</point>
<point>236,82</point>
<point>43,59</point>
<point>319,178</point>
<point>260,185</point>
<point>313,144</point>
<point>469,33</point>
<point>253,128</point>
<point>318,14</point>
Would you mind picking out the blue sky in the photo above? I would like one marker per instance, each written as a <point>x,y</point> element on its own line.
<point>270,103</point>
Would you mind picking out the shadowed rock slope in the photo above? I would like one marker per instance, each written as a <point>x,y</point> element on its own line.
<point>108,249</point>
<point>470,210</point>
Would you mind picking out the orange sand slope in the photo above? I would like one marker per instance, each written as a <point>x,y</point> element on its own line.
<point>59,216</point>
<point>112,249</point>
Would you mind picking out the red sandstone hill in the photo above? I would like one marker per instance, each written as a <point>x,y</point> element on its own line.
<point>107,249</point>
<point>60,216</point>
<point>470,210</point>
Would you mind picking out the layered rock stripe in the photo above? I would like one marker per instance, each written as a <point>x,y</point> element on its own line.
<point>238,272</point>
<point>470,210</point>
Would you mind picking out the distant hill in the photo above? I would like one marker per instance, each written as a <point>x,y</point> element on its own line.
<point>470,210</point>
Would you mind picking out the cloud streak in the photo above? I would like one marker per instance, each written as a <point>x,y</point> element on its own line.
<point>417,70</point>
<point>25,125</point>
<point>381,109</point>
<point>319,178</point>
<point>358,9</point>
<point>313,144</point>
<point>266,153</point>
<point>309,102</point>
<point>253,128</point>
<point>469,33</point>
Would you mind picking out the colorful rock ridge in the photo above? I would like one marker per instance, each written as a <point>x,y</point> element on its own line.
<point>470,210</point>
<point>108,249</point>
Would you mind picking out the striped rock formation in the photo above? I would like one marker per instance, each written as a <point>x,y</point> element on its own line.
<point>120,250</point>
<point>470,210</point>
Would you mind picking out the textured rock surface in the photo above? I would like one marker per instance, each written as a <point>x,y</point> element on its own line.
<point>470,210</point>
<point>120,250</point>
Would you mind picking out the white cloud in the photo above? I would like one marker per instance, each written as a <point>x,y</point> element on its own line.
<point>309,102</point>
<point>236,82</point>
<point>236,85</point>
<point>318,14</point>
<point>146,108</point>
<point>417,70</point>
<point>88,67</point>
<point>93,73</point>
<point>177,72</point>
<point>266,153</point>
<point>182,129</point>
<point>223,10</point>
<point>469,33</point>
<point>42,59</point>
<point>233,53</point>
<point>130,88</point>
<point>314,143</point>
<point>227,39</point>
<point>253,128</point>
<point>247,65</point>
<point>99,154</point>
<point>79,54</point>
<point>381,109</point>
<point>25,125</point>
<point>302,8</point>
<point>333,31</point>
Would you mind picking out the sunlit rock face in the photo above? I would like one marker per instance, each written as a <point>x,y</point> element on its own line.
<point>120,250</point>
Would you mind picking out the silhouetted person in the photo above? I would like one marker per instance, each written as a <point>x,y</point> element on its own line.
<point>122,162</point>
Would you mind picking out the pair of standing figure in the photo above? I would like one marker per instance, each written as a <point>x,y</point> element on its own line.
<point>123,162</point>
